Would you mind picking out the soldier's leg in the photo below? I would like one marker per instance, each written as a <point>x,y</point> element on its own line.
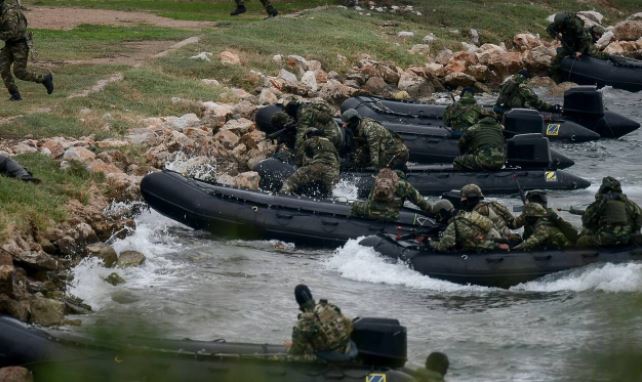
<point>555,73</point>
<point>6,59</point>
<point>465,162</point>
<point>491,160</point>
<point>271,11</point>
<point>20,60</point>
<point>240,8</point>
<point>587,240</point>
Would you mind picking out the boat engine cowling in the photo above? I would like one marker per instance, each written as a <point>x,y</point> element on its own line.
<point>523,121</point>
<point>583,100</point>
<point>528,151</point>
<point>380,341</point>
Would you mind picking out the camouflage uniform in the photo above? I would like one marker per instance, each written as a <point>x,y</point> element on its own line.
<point>545,232</point>
<point>467,231</point>
<point>389,210</point>
<point>574,37</point>
<point>464,113</point>
<point>320,167</point>
<point>503,220</point>
<point>317,115</point>
<point>385,148</point>
<point>612,219</point>
<point>424,375</point>
<point>321,329</point>
<point>515,93</point>
<point>13,31</point>
<point>482,147</point>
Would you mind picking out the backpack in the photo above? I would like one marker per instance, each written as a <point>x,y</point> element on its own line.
<point>334,327</point>
<point>385,185</point>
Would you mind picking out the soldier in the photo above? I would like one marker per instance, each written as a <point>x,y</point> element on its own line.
<point>443,211</point>
<point>388,196</point>
<point>468,231</point>
<point>464,113</point>
<point>13,31</point>
<point>515,93</point>
<point>546,234</point>
<point>320,328</point>
<point>472,199</point>
<point>240,8</point>
<point>437,364</point>
<point>482,147</point>
<point>539,197</point>
<point>384,148</point>
<point>611,220</point>
<point>319,169</point>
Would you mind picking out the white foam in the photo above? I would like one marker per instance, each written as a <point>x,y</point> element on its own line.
<point>356,262</point>
<point>606,278</point>
<point>346,189</point>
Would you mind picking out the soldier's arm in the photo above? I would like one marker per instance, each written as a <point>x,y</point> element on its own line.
<point>373,146</point>
<point>14,29</point>
<point>533,100</point>
<point>518,222</point>
<point>508,217</point>
<point>448,239</point>
<point>463,141</point>
<point>590,218</point>
<point>538,238</point>
<point>300,342</point>
<point>416,198</point>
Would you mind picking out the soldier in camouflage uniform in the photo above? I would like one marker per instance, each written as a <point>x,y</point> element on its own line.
<point>464,113</point>
<point>515,93</point>
<point>482,147</point>
<point>575,38</point>
<point>320,328</point>
<point>13,31</point>
<point>319,169</point>
<point>388,196</point>
<point>240,8</point>
<point>546,234</point>
<point>385,148</point>
<point>503,220</point>
<point>611,220</point>
<point>435,369</point>
<point>468,231</point>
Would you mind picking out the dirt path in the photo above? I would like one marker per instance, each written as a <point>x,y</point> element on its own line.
<point>69,18</point>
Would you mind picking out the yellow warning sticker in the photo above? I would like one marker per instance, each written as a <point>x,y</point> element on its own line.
<point>376,377</point>
<point>553,129</point>
<point>551,176</point>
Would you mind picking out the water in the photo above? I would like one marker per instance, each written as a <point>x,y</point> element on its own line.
<point>195,286</point>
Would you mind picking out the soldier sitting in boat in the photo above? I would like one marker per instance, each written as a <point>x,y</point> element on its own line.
<point>482,147</point>
<point>545,232</point>
<point>436,368</point>
<point>464,113</point>
<point>612,220</point>
<point>472,199</point>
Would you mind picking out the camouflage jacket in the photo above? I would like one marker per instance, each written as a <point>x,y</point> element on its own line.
<point>521,221</point>
<point>486,133</point>
<point>319,150</point>
<point>502,218</point>
<point>516,93</point>
<point>613,218</point>
<point>375,209</point>
<point>468,231</point>
<point>13,23</point>
<point>316,115</point>
<point>574,36</point>
<point>463,114</point>
<point>382,144</point>
<point>322,329</point>
<point>545,235</point>
<point>425,375</point>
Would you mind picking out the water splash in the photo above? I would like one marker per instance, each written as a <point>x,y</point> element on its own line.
<point>346,189</point>
<point>198,167</point>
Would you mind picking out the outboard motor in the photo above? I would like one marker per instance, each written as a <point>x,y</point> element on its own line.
<point>528,151</point>
<point>381,341</point>
<point>584,100</point>
<point>523,121</point>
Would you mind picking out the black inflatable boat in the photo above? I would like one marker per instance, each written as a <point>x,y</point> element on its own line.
<point>583,110</point>
<point>435,180</point>
<point>236,213</point>
<point>502,269</point>
<point>618,72</point>
<point>432,144</point>
<point>55,356</point>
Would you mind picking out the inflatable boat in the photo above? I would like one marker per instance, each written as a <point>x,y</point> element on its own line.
<point>500,269</point>
<point>618,72</point>
<point>432,144</point>
<point>583,110</point>
<point>235,213</point>
<point>435,180</point>
<point>56,356</point>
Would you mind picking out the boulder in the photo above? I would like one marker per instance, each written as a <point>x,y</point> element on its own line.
<point>277,59</point>
<point>239,126</point>
<point>459,80</point>
<point>15,374</point>
<point>79,154</point>
<point>590,18</point>
<point>47,312</point>
<point>267,97</point>
<point>227,138</point>
<point>406,34</point>
<point>625,48</point>
<point>297,63</point>
<point>455,66</point>
<point>25,147</point>
<point>502,63</point>
<point>375,85</point>
<point>321,76</point>
<point>186,120</point>
<point>409,79</point>
<point>526,41</point>
<point>628,30</point>
<point>54,147</point>
<point>434,69</point>
<point>444,56</point>
<point>248,180</point>
<point>37,260</point>
<point>287,76</point>
<point>114,279</point>
<point>104,252</point>
<point>478,71</point>
<point>98,165</point>
<point>605,40</point>
<point>229,58</point>
<point>309,79</point>
<point>429,38</point>
<point>335,91</point>
<point>420,49</point>
<point>314,65</point>
<point>130,259</point>
<point>468,58</point>
<point>474,36</point>
<point>7,271</point>
<point>539,58</point>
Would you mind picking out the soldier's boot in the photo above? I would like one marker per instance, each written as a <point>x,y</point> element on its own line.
<point>239,9</point>
<point>47,82</point>
<point>15,95</point>
<point>271,11</point>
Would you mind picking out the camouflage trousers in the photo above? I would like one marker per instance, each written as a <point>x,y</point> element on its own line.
<point>18,55</point>
<point>266,3</point>
<point>590,239</point>
<point>562,52</point>
<point>315,179</point>
<point>487,159</point>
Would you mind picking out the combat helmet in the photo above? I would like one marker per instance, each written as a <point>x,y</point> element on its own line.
<point>471,191</point>
<point>610,184</point>
<point>303,297</point>
<point>535,210</point>
<point>349,115</point>
<point>444,205</point>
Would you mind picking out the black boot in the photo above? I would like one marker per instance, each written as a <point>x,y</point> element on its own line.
<point>272,12</point>
<point>240,9</point>
<point>15,95</point>
<point>48,83</point>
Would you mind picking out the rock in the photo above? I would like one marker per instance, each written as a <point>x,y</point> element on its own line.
<point>459,79</point>
<point>37,260</point>
<point>24,148</point>
<point>130,259</point>
<point>245,109</point>
<point>7,271</point>
<point>625,48</point>
<point>239,126</point>
<point>210,82</point>
<point>111,143</point>
<point>100,166</point>
<point>54,148</point>
<point>605,40</point>
<point>502,62</point>
<point>85,233</point>
<point>526,41</point>
<point>474,36</point>
<point>297,63</point>
<point>590,18</point>
<point>186,120</point>
<point>335,91</point>
<point>469,47</point>
<point>314,65</point>
<point>468,57</point>
<point>455,66</point>
<point>487,51</point>
<point>267,97</point>
<point>309,79</point>
<point>15,374</point>
<point>248,180</point>
<point>444,56</point>
<point>47,312</point>
<point>227,138</point>
<point>478,71</point>
<point>203,56</point>
<point>277,59</point>
<point>420,49</point>
<point>400,95</point>
<point>225,179</point>
<point>406,34</point>
<point>114,279</point>
<point>539,58</point>
<point>375,85</point>
<point>123,187</point>
<point>229,58</point>
<point>104,252</point>
<point>80,154</point>
<point>409,79</point>
<point>287,76</point>
<point>434,69</point>
<point>628,30</point>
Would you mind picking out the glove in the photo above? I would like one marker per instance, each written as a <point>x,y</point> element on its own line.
<point>557,108</point>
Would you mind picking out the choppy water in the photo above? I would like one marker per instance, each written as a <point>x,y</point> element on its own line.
<point>195,286</point>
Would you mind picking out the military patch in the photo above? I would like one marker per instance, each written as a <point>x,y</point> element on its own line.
<point>551,176</point>
<point>376,377</point>
<point>553,129</point>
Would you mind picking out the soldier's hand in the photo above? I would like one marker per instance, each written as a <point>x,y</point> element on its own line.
<point>504,247</point>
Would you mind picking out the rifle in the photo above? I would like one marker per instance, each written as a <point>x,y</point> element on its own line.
<point>522,195</point>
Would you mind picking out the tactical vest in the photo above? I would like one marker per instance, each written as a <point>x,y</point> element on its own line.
<point>487,135</point>
<point>472,229</point>
<point>334,329</point>
<point>320,150</point>
<point>615,213</point>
